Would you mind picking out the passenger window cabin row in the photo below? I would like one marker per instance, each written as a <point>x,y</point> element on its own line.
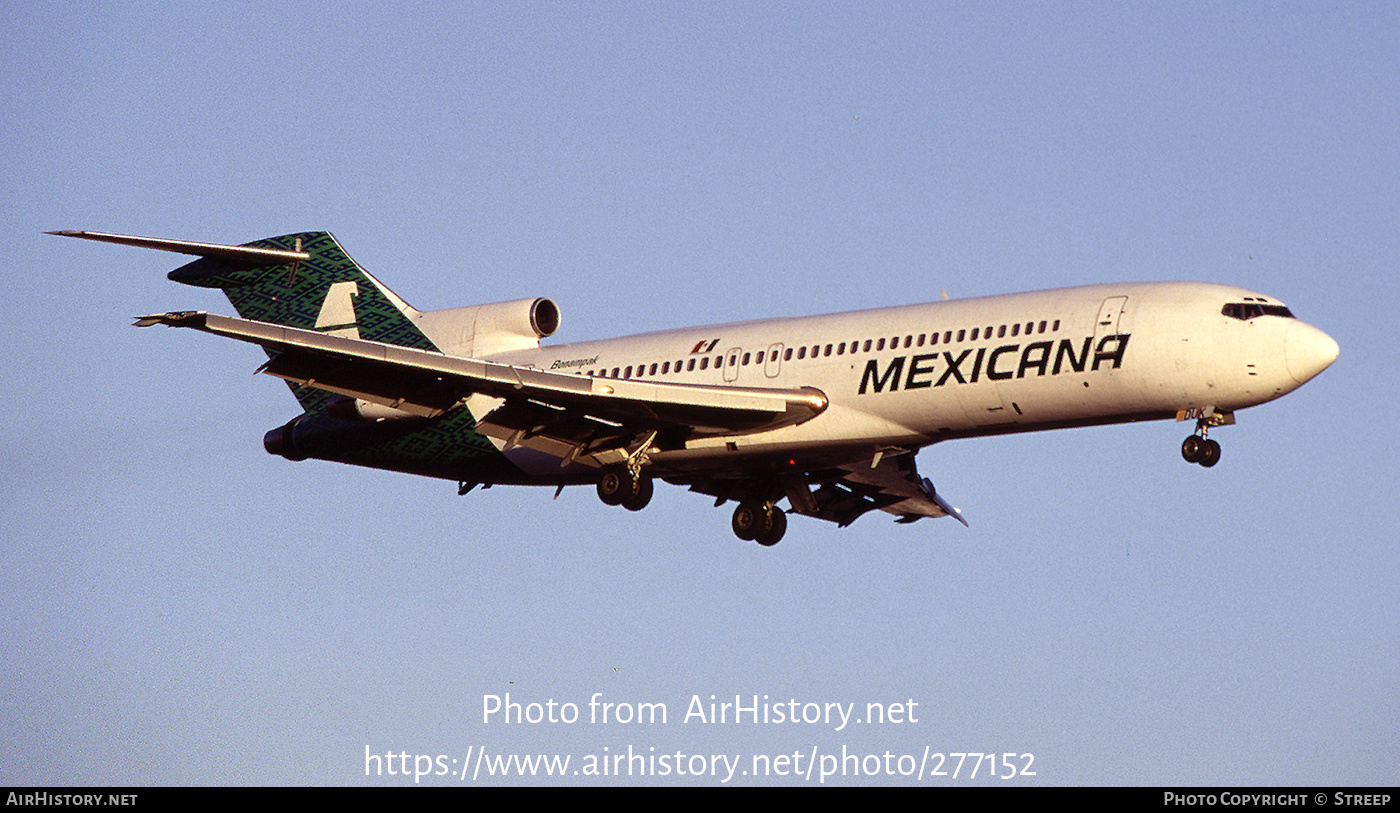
<point>875,345</point>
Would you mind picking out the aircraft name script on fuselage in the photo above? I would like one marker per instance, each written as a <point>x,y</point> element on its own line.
<point>1036,357</point>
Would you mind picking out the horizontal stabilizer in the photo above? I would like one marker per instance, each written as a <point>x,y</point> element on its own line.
<point>246,256</point>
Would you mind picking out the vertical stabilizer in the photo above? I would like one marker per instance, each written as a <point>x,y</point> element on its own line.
<point>327,291</point>
<point>303,280</point>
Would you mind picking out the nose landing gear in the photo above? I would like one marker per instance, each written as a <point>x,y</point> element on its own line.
<point>1197,449</point>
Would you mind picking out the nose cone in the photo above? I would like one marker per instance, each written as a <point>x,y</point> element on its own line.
<point>1308,351</point>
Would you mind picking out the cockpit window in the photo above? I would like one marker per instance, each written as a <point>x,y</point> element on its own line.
<point>1249,310</point>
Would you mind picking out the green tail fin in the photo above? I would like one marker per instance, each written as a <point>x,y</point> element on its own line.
<point>328,291</point>
<point>299,280</point>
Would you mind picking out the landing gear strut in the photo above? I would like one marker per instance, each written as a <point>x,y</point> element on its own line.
<point>763,523</point>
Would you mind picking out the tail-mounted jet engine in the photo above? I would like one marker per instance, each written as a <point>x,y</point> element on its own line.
<point>321,436</point>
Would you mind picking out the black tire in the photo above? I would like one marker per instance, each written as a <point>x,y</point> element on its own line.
<point>1210,455</point>
<point>640,495</point>
<point>774,528</point>
<point>613,487</point>
<point>748,521</point>
<point>1192,448</point>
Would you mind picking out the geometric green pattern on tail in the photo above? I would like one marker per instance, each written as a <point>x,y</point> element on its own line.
<point>293,294</point>
<point>447,447</point>
<point>328,291</point>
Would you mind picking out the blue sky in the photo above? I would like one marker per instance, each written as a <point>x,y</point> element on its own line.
<point>182,608</point>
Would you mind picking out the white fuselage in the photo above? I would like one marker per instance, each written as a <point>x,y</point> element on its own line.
<point>912,375</point>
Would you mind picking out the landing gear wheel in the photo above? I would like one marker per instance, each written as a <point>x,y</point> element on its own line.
<point>640,496</point>
<point>621,488</point>
<point>774,528</point>
<point>748,521</point>
<point>613,488</point>
<point>759,522</point>
<point>1210,455</point>
<point>1192,448</point>
<point>1196,449</point>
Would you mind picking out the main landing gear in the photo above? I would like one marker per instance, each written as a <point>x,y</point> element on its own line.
<point>754,521</point>
<point>626,485</point>
<point>764,523</point>
<point>631,491</point>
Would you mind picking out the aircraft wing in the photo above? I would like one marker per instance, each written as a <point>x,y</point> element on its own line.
<point>567,406</point>
<point>839,491</point>
<point>891,484</point>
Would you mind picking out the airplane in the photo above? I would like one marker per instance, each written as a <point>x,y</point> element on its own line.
<point>826,412</point>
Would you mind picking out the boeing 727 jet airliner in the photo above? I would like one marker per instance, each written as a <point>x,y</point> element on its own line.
<point>826,412</point>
